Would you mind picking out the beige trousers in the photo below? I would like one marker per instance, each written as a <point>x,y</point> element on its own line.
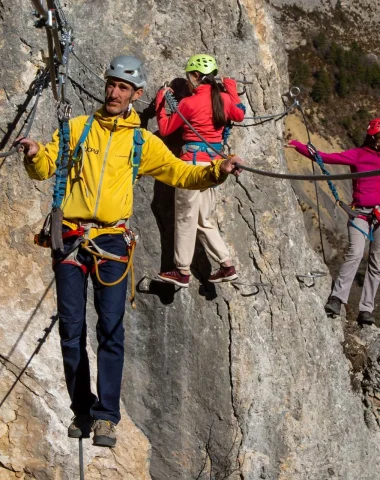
<point>193,209</point>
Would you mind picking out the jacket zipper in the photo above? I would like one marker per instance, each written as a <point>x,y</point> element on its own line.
<point>103,168</point>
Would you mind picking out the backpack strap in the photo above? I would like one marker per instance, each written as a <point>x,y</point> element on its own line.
<point>82,138</point>
<point>138,142</point>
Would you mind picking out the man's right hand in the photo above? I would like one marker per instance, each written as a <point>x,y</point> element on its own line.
<point>30,147</point>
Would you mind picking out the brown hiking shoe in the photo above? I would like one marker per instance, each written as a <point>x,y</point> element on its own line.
<point>223,274</point>
<point>104,433</point>
<point>80,427</point>
<point>175,277</point>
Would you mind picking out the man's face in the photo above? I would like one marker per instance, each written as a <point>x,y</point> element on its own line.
<point>119,94</point>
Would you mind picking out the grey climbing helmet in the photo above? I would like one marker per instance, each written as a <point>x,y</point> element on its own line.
<point>127,68</point>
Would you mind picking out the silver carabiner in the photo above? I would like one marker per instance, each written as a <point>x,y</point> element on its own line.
<point>294,92</point>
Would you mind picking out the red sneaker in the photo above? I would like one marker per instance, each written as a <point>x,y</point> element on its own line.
<point>176,277</point>
<point>223,274</point>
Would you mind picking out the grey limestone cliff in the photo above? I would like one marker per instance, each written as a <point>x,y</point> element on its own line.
<point>218,383</point>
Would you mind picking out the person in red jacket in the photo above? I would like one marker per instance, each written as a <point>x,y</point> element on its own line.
<point>365,199</point>
<point>208,110</point>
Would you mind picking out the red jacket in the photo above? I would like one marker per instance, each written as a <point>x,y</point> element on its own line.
<point>197,109</point>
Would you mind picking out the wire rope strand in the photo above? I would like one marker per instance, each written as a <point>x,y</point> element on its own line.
<point>30,121</point>
<point>88,68</point>
<point>81,462</point>
<point>40,9</point>
<point>53,80</point>
<point>54,32</point>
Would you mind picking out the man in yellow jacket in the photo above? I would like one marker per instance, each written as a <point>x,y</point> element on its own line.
<point>98,199</point>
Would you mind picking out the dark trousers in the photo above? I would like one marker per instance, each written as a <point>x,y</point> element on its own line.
<point>71,282</point>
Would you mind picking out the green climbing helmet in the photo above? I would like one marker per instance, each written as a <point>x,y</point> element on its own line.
<point>202,63</point>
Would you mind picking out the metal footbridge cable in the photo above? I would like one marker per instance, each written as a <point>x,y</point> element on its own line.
<point>266,173</point>
<point>314,153</point>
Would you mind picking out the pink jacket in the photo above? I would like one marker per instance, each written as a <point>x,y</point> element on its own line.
<point>365,191</point>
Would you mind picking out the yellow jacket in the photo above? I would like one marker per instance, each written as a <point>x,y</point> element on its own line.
<point>100,187</point>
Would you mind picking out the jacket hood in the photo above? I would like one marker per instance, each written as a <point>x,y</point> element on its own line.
<point>107,121</point>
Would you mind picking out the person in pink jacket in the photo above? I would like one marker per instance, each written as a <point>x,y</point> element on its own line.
<point>365,197</point>
<point>208,110</point>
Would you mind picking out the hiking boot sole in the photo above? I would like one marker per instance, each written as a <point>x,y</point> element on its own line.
<point>225,279</point>
<point>330,312</point>
<point>366,322</point>
<point>103,441</point>
<point>174,282</point>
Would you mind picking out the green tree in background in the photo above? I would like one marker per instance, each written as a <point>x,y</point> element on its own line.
<point>343,83</point>
<point>322,87</point>
<point>321,43</point>
<point>303,74</point>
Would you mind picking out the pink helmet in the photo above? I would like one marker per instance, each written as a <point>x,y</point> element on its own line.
<point>373,126</point>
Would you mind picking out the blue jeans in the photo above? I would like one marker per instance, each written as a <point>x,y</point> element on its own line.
<point>71,282</point>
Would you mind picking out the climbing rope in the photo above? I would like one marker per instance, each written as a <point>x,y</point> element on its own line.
<point>87,67</point>
<point>40,9</point>
<point>264,118</point>
<point>293,93</point>
<point>243,82</point>
<point>54,21</point>
<point>173,105</point>
<point>318,178</point>
<point>314,153</point>
<point>83,89</point>
<point>64,72</point>
<point>97,253</point>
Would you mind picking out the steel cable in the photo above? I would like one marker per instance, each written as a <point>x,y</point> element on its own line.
<point>282,176</point>
<point>53,80</point>
<point>100,78</point>
<point>30,121</point>
<point>54,32</point>
<point>40,9</point>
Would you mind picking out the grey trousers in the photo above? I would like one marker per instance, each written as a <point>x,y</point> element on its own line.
<point>351,263</point>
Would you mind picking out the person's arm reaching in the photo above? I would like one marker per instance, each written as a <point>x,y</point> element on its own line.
<point>167,123</point>
<point>40,160</point>
<point>348,157</point>
<point>236,109</point>
<point>158,162</point>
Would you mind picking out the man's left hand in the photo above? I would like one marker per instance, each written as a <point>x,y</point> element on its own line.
<point>229,165</point>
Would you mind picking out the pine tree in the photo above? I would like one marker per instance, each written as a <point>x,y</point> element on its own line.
<point>322,87</point>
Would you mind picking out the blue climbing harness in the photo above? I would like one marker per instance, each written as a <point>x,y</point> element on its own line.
<point>241,106</point>
<point>228,127</point>
<point>195,147</point>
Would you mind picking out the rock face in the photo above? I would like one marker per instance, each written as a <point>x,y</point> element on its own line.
<point>219,382</point>
<point>344,20</point>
